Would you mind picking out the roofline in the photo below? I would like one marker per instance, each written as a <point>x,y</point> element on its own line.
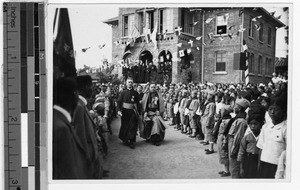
<point>112,20</point>
<point>280,24</point>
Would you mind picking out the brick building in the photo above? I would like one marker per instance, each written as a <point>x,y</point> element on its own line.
<point>198,41</point>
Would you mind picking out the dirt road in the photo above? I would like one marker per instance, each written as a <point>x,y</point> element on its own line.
<point>178,157</point>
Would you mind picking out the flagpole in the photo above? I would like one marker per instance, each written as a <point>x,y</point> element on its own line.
<point>242,37</point>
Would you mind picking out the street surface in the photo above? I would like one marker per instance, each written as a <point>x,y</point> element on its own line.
<point>178,157</point>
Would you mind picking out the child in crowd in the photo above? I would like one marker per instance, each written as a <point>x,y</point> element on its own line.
<point>192,113</point>
<point>248,155</point>
<point>222,144</point>
<point>235,135</point>
<point>208,121</point>
<point>272,140</point>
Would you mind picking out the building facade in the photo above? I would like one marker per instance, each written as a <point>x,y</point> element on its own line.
<point>200,44</point>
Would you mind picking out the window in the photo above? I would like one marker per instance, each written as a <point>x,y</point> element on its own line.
<point>260,65</point>
<point>269,67</point>
<point>269,36</point>
<point>261,33</point>
<point>187,19</point>
<point>251,63</point>
<point>267,70</point>
<point>141,22</point>
<point>222,22</point>
<point>150,21</point>
<point>220,61</point>
<point>161,21</point>
<point>251,28</point>
<point>125,26</point>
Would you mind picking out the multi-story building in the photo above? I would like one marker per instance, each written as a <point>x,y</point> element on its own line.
<point>203,41</point>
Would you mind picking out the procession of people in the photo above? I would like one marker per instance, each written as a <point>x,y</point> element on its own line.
<point>244,124</point>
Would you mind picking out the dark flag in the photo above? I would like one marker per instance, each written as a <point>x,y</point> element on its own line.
<point>63,51</point>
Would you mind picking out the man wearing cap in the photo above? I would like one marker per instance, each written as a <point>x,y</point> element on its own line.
<point>235,135</point>
<point>129,110</point>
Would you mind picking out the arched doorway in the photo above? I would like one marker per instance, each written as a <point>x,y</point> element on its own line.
<point>145,67</point>
<point>165,65</point>
<point>127,69</point>
<point>146,57</point>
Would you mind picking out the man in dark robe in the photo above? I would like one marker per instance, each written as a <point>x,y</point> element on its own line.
<point>153,107</point>
<point>140,91</point>
<point>147,72</point>
<point>153,71</point>
<point>124,71</point>
<point>69,158</point>
<point>86,129</point>
<point>141,72</point>
<point>136,71</point>
<point>129,108</point>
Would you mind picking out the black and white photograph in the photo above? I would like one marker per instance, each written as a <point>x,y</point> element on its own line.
<point>194,94</point>
<point>179,92</point>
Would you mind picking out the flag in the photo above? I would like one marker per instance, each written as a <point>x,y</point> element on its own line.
<point>191,42</point>
<point>179,44</point>
<point>181,53</point>
<point>63,51</point>
<point>84,49</point>
<point>208,20</point>
<point>188,51</point>
<point>272,13</point>
<point>178,30</point>
<point>230,27</point>
<point>257,27</point>
<point>135,33</point>
<point>101,46</point>
<point>242,29</point>
<point>153,36</point>
<point>255,18</point>
<point>165,34</point>
<point>127,48</point>
<point>117,43</point>
<point>241,12</point>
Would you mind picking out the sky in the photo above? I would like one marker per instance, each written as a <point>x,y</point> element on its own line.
<point>89,31</point>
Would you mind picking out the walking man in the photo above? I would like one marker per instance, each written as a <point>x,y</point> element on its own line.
<point>129,110</point>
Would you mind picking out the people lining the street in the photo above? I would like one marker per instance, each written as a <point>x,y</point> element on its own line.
<point>245,121</point>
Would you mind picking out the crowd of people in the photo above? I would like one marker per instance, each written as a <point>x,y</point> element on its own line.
<point>244,124</point>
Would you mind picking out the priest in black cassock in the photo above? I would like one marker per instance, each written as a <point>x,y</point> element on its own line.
<point>129,109</point>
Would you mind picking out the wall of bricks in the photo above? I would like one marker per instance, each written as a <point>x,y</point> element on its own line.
<point>230,46</point>
<point>260,48</point>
